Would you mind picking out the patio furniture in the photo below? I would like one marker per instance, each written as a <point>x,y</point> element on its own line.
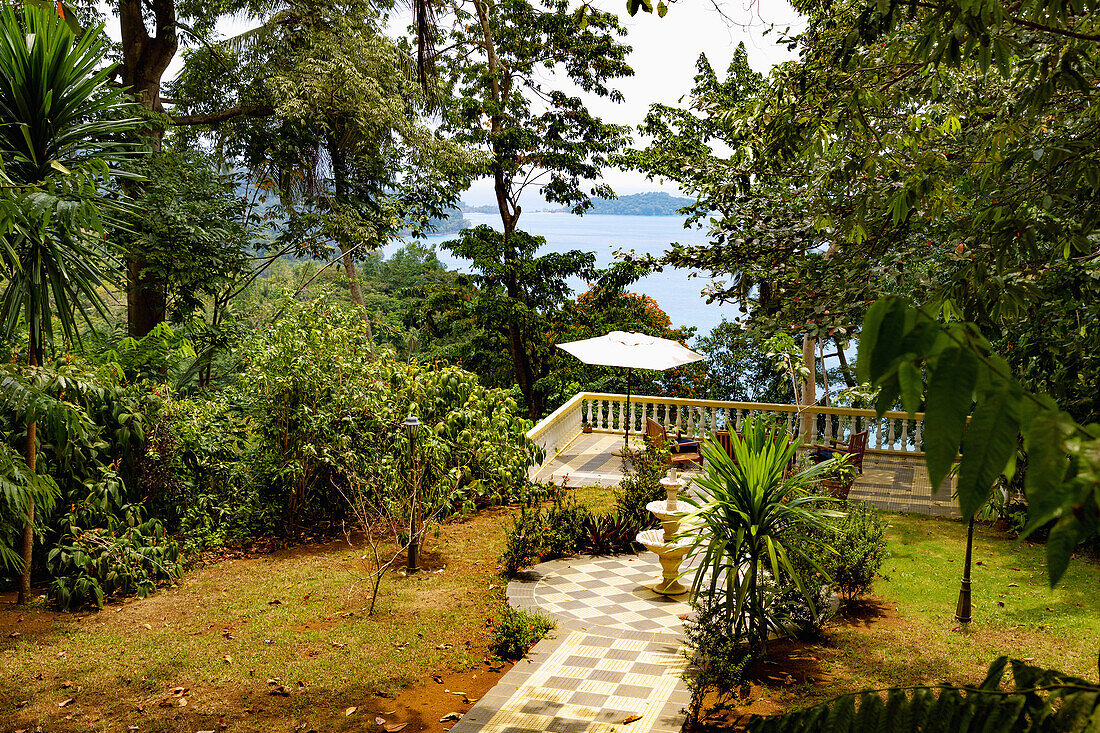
<point>855,447</point>
<point>684,450</point>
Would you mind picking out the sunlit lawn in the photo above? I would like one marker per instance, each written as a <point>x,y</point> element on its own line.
<point>910,637</point>
<point>294,617</point>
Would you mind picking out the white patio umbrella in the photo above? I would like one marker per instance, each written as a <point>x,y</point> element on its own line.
<point>631,351</point>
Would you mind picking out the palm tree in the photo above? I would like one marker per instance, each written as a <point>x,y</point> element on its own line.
<point>748,510</point>
<point>62,127</point>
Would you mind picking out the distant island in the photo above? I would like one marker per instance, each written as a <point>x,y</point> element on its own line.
<point>654,203</point>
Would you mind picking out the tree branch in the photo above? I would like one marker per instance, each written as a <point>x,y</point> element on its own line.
<point>213,118</point>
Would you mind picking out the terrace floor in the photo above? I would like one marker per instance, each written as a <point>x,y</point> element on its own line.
<point>893,482</point>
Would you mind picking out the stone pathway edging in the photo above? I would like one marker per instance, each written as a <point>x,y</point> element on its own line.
<point>616,652</point>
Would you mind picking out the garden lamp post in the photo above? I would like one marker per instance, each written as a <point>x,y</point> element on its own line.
<point>962,610</point>
<point>412,427</point>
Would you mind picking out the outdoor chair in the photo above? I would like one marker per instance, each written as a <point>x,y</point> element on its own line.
<point>855,448</point>
<point>684,450</point>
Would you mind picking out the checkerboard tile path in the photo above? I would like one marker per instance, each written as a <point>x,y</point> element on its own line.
<point>610,593</point>
<point>616,654</point>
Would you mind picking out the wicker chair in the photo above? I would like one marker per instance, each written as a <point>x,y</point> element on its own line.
<point>855,448</point>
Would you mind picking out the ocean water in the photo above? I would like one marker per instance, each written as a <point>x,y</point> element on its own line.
<point>678,292</point>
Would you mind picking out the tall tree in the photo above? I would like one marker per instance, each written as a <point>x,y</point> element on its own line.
<point>347,147</point>
<point>537,134</point>
<point>60,124</point>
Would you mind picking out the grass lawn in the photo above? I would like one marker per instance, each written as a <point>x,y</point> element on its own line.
<point>294,617</point>
<point>907,634</point>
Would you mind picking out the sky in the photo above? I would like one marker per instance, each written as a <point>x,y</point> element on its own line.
<point>663,57</point>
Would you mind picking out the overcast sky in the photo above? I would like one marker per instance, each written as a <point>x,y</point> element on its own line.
<point>663,58</point>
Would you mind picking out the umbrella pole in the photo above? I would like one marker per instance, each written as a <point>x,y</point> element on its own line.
<point>629,417</point>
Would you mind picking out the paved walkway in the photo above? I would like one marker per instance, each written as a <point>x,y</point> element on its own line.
<point>894,482</point>
<point>616,653</point>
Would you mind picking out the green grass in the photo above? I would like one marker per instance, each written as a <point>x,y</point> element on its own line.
<point>598,499</point>
<point>908,635</point>
<point>221,633</point>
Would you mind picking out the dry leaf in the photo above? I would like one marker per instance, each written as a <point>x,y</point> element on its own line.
<point>66,684</point>
<point>337,644</point>
<point>631,719</point>
<point>450,716</point>
<point>444,646</point>
<point>66,703</point>
<point>379,721</point>
<point>148,626</point>
<point>394,727</point>
<point>349,711</point>
<point>228,659</point>
<point>438,679</point>
<point>274,602</point>
<point>458,693</point>
<point>183,702</point>
<point>281,691</point>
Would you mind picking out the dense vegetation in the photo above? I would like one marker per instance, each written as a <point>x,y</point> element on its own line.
<point>204,346</point>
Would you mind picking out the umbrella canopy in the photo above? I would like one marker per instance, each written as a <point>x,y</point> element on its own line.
<point>632,350</point>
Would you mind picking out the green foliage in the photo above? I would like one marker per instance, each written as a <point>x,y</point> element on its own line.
<point>188,230</point>
<point>517,630</point>
<point>60,127</point>
<point>641,486</point>
<point>539,534</point>
<point>717,658</point>
<point>128,556</point>
<point>609,534</point>
<point>1039,700</point>
<point>323,407</point>
<point>858,540</point>
<point>749,511</point>
<point>1063,457</point>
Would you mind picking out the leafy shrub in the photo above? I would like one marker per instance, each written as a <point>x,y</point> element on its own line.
<point>516,631</point>
<point>717,656</point>
<point>859,539</point>
<point>608,534</point>
<point>127,557</point>
<point>543,534</point>
<point>641,486</point>
<point>523,546</point>
<point>563,529</point>
<point>325,404</point>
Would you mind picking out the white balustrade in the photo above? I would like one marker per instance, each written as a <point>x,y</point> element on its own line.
<point>607,413</point>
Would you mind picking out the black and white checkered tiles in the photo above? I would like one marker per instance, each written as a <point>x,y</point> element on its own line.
<point>616,654</point>
<point>612,593</point>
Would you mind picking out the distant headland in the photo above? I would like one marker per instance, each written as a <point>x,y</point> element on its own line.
<point>652,203</point>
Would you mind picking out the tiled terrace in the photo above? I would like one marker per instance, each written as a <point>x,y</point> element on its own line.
<point>890,481</point>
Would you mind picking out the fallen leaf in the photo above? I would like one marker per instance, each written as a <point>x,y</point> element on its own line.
<point>21,704</point>
<point>183,702</point>
<point>177,691</point>
<point>1001,604</point>
<point>66,684</point>
<point>337,644</point>
<point>458,693</point>
<point>228,659</point>
<point>66,703</point>
<point>631,719</point>
<point>281,691</point>
<point>275,602</point>
<point>402,645</point>
<point>148,626</point>
<point>394,727</point>
<point>14,635</point>
<point>444,646</point>
<point>450,716</point>
<point>379,721</point>
<point>273,681</point>
<point>1013,585</point>
<point>438,679</point>
<point>349,711</point>
<point>469,700</point>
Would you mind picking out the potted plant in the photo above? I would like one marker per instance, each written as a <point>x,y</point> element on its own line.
<point>586,427</point>
<point>838,475</point>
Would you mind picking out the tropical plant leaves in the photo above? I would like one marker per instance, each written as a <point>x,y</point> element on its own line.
<point>947,404</point>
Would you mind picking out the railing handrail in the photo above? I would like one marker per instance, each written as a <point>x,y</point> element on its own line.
<point>547,421</point>
<point>761,406</point>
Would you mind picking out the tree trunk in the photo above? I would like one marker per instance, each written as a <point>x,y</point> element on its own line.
<point>144,61</point>
<point>845,370</point>
<point>32,459</point>
<point>809,386</point>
